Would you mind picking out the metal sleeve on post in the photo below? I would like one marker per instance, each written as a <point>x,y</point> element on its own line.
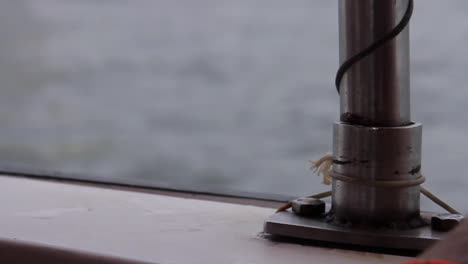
<point>376,154</point>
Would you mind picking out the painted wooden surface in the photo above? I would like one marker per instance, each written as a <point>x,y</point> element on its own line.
<point>150,227</point>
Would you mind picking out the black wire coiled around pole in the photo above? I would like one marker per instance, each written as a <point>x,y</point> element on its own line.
<point>367,51</point>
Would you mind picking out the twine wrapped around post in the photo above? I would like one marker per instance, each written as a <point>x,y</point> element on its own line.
<point>323,167</point>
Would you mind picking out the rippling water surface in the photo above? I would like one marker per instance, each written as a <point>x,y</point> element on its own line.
<point>214,93</point>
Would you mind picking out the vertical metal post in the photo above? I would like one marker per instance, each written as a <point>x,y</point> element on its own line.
<point>375,140</point>
<point>376,89</point>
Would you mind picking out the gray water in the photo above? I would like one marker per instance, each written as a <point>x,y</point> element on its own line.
<point>234,94</point>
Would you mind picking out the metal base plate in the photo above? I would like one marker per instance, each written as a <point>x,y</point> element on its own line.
<point>291,225</point>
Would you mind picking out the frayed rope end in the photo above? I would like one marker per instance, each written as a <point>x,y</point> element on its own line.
<point>323,167</point>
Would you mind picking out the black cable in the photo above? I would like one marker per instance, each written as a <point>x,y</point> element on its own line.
<point>367,51</point>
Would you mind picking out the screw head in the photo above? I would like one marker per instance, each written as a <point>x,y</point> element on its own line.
<point>308,207</point>
<point>445,222</point>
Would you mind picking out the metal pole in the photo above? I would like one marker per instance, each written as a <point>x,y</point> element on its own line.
<point>375,139</point>
<point>375,90</point>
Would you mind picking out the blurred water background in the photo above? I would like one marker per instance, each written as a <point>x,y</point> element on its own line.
<point>214,93</point>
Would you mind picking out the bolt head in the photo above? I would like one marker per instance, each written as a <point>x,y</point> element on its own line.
<point>445,222</point>
<point>309,207</point>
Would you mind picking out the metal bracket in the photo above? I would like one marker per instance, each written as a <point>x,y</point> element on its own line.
<point>289,224</point>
